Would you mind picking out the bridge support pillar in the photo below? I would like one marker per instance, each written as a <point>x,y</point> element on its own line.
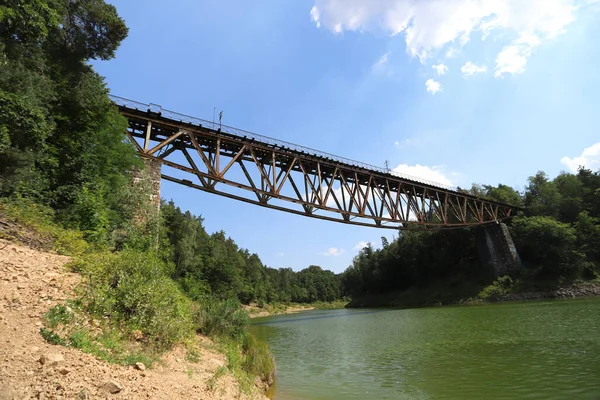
<point>496,249</point>
<point>148,182</point>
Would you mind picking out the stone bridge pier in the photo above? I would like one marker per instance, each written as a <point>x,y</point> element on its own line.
<point>496,249</point>
<point>148,180</point>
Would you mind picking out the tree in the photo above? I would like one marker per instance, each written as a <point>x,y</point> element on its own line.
<point>542,196</point>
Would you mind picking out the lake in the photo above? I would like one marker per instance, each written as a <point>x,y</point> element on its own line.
<point>527,350</point>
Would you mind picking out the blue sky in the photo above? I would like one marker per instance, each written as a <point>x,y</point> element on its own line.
<point>455,91</point>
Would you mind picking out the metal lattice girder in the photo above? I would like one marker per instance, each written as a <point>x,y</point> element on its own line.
<point>286,177</point>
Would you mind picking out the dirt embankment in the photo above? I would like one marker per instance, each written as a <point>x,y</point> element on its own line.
<point>33,281</point>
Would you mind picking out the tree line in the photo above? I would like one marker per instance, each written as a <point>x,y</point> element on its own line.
<point>557,237</point>
<point>214,265</point>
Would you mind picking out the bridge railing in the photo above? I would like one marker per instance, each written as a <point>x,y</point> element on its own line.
<point>172,115</point>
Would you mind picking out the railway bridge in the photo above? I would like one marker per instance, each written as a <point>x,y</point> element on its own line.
<point>271,173</point>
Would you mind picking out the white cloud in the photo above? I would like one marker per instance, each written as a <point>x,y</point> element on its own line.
<point>471,69</point>
<point>589,158</point>
<point>430,25</point>
<point>383,60</point>
<point>333,251</point>
<point>315,15</point>
<point>512,59</point>
<point>361,245</point>
<point>441,69</point>
<point>424,174</point>
<point>280,254</point>
<point>433,86</point>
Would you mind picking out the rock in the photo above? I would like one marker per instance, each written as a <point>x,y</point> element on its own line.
<point>64,371</point>
<point>112,387</point>
<point>52,359</point>
<point>83,395</point>
<point>140,366</point>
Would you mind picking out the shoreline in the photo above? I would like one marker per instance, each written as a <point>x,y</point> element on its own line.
<point>257,312</point>
<point>281,309</point>
<point>395,300</point>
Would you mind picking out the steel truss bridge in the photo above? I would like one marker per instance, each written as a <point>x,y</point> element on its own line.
<point>271,173</point>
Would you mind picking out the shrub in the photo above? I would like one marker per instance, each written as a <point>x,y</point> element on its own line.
<point>133,289</point>
<point>221,318</point>
<point>499,287</point>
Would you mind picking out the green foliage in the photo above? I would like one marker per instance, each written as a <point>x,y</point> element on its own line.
<point>221,318</point>
<point>134,290</point>
<point>549,244</point>
<point>111,347</point>
<point>257,360</point>
<point>248,358</point>
<point>51,337</point>
<point>208,265</point>
<point>501,286</point>
<point>40,219</point>
<point>59,314</point>
<point>61,140</point>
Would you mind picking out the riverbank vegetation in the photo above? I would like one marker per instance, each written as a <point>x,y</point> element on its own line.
<point>557,237</point>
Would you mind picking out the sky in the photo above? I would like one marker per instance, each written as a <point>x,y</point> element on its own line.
<point>453,91</point>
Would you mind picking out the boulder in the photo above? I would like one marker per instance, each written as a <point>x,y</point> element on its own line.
<point>52,359</point>
<point>112,387</point>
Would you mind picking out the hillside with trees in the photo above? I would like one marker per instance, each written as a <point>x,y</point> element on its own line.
<point>557,237</point>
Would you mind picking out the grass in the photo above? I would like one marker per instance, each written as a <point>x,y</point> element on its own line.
<point>33,225</point>
<point>211,383</point>
<point>247,359</point>
<point>66,326</point>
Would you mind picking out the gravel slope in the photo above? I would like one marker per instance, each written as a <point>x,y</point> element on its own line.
<point>31,282</point>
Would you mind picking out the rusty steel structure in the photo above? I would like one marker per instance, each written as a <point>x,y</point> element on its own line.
<point>270,173</point>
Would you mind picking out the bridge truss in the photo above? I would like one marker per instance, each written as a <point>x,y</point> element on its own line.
<point>259,170</point>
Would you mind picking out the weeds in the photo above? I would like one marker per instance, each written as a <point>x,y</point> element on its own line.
<point>210,384</point>
<point>59,314</point>
<point>51,337</point>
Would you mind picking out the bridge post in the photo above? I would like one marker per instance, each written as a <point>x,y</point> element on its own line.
<point>496,249</point>
<point>148,182</point>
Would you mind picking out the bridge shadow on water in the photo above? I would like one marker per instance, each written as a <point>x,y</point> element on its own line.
<point>333,315</point>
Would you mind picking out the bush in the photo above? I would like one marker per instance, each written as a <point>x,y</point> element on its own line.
<point>221,318</point>
<point>133,289</point>
<point>501,286</point>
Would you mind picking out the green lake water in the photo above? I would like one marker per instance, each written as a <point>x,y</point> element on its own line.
<point>528,350</point>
